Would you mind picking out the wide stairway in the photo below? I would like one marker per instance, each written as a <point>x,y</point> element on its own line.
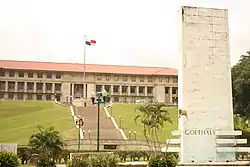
<point>107,129</point>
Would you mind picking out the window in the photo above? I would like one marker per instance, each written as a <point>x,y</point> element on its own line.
<point>99,77</point>
<point>150,79</point>
<point>98,88</point>
<point>48,86</point>
<point>116,99</point>
<point>125,78</point>
<point>11,85</point>
<point>39,75</point>
<point>107,77</point>
<point>39,97</point>
<point>150,90</point>
<point>133,78</point>
<point>1,96</point>
<point>167,79</point>
<point>175,80</point>
<point>20,85</point>
<point>116,78</point>
<point>30,74</point>
<point>132,89</point>
<point>57,87</point>
<point>30,86</point>
<point>10,96</point>
<point>174,90</point>
<point>2,73</point>
<point>166,90</point>
<point>141,79</point>
<point>58,75</point>
<point>115,89</point>
<point>11,73</point>
<point>107,88</point>
<point>29,97</point>
<point>160,79</point>
<point>21,74</point>
<point>48,97</point>
<point>39,86</point>
<point>20,96</point>
<point>141,89</point>
<point>49,75</point>
<point>124,89</point>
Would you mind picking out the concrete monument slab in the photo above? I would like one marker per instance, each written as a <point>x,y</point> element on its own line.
<point>205,91</point>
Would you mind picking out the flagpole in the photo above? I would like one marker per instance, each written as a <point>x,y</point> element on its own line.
<point>84,72</point>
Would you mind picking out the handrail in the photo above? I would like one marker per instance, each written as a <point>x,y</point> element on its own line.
<point>114,141</point>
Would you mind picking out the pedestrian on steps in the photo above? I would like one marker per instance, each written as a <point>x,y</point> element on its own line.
<point>104,96</point>
<point>93,95</point>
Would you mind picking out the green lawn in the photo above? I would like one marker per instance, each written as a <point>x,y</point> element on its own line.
<point>18,119</point>
<point>127,111</point>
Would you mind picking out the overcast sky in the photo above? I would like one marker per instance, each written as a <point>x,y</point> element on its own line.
<point>128,32</point>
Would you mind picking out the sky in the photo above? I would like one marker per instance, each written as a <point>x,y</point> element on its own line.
<point>128,32</point>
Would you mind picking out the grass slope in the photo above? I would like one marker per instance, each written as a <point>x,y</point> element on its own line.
<point>127,111</point>
<point>18,119</point>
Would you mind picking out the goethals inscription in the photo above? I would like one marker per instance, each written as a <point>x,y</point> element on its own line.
<point>199,132</point>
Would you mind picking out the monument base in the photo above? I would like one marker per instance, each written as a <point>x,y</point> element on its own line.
<point>218,164</point>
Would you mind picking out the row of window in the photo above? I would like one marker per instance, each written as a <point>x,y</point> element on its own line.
<point>133,78</point>
<point>10,96</point>
<point>21,74</point>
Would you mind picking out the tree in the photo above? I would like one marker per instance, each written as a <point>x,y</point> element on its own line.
<point>152,118</point>
<point>48,143</point>
<point>241,85</point>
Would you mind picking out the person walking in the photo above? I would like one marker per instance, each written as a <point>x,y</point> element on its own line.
<point>93,95</point>
<point>104,96</point>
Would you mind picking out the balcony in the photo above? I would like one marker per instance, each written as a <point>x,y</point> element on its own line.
<point>57,90</point>
<point>20,90</point>
<point>30,90</point>
<point>150,94</point>
<point>39,90</point>
<point>48,90</point>
<point>115,93</point>
<point>141,94</point>
<point>11,89</point>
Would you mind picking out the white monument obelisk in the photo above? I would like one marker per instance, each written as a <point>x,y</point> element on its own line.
<point>205,89</point>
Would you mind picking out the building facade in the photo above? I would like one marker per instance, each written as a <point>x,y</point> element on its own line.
<point>64,81</point>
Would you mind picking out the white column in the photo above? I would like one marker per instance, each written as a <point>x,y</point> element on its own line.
<point>16,86</point>
<point>34,87</point>
<point>44,87</point>
<point>6,86</point>
<point>73,89</point>
<point>145,91</point>
<point>137,90</point>
<point>170,95</point>
<point>128,90</point>
<point>53,87</point>
<point>111,89</point>
<point>25,86</point>
<point>120,91</point>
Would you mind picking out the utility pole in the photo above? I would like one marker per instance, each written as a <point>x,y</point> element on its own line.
<point>98,123</point>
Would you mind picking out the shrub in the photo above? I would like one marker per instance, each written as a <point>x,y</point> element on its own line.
<point>163,160</point>
<point>8,159</point>
<point>79,163</point>
<point>103,160</point>
<point>24,153</point>
<point>44,160</point>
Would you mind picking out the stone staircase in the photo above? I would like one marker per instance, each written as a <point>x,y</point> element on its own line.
<point>107,129</point>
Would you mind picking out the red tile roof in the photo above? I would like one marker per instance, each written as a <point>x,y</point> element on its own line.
<point>93,68</point>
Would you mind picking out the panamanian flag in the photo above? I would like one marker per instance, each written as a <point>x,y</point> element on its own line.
<point>90,42</point>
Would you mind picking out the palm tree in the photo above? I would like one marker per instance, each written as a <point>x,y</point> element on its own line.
<point>152,117</point>
<point>144,120</point>
<point>48,141</point>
